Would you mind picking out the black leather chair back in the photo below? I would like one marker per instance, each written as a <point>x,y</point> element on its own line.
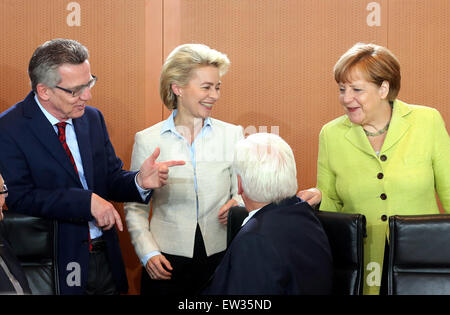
<point>419,257</point>
<point>33,241</point>
<point>236,215</point>
<point>346,233</point>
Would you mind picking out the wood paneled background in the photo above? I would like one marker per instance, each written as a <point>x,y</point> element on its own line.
<point>282,54</point>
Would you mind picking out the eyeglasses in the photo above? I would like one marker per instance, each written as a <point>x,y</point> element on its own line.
<point>80,89</point>
<point>4,191</point>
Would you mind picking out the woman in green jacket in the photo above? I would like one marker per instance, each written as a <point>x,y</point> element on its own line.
<point>383,157</point>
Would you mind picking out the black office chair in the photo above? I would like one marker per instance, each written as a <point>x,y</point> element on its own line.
<point>33,241</point>
<point>345,233</point>
<point>236,215</point>
<point>419,258</point>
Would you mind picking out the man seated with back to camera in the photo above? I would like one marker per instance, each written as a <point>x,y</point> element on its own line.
<point>281,248</point>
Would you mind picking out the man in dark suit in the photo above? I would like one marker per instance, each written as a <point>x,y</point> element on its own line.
<point>60,164</point>
<point>281,247</point>
<point>12,278</point>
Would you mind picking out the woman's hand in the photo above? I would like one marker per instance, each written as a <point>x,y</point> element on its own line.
<point>158,268</point>
<point>313,196</point>
<point>223,212</point>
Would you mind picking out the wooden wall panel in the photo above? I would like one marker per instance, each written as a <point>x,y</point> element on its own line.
<point>420,37</point>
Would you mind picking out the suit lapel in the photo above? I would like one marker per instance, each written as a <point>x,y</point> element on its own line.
<point>84,144</point>
<point>355,135</point>
<point>46,135</point>
<point>398,127</point>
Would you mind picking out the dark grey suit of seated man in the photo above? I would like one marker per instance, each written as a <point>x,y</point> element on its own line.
<point>282,248</point>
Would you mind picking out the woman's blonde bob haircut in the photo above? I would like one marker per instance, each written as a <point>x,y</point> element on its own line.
<point>375,63</point>
<point>179,65</point>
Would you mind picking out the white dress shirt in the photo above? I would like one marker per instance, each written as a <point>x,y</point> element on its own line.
<point>250,215</point>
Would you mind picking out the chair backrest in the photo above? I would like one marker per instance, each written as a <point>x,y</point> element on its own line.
<point>346,234</point>
<point>236,215</point>
<point>33,241</point>
<point>419,257</point>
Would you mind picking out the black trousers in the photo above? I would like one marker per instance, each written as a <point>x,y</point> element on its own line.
<point>189,275</point>
<point>100,280</point>
<point>384,274</point>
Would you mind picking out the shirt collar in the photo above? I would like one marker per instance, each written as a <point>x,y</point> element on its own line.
<point>169,124</point>
<point>52,119</point>
<point>250,215</point>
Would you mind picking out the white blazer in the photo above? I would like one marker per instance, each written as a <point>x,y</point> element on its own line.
<point>174,216</point>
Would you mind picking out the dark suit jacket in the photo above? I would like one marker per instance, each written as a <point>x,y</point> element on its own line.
<point>282,249</point>
<point>14,267</point>
<point>43,183</point>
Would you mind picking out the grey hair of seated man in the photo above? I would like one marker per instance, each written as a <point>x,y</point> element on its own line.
<point>266,166</point>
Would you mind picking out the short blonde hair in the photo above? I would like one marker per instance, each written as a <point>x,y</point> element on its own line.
<point>375,63</point>
<point>179,65</point>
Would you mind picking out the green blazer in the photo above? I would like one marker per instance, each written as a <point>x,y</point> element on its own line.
<point>412,165</point>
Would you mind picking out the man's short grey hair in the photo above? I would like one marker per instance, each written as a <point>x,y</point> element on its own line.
<point>266,165</point>
<point>46,59</point>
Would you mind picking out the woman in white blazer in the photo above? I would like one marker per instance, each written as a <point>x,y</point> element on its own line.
<point>186,237</point>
